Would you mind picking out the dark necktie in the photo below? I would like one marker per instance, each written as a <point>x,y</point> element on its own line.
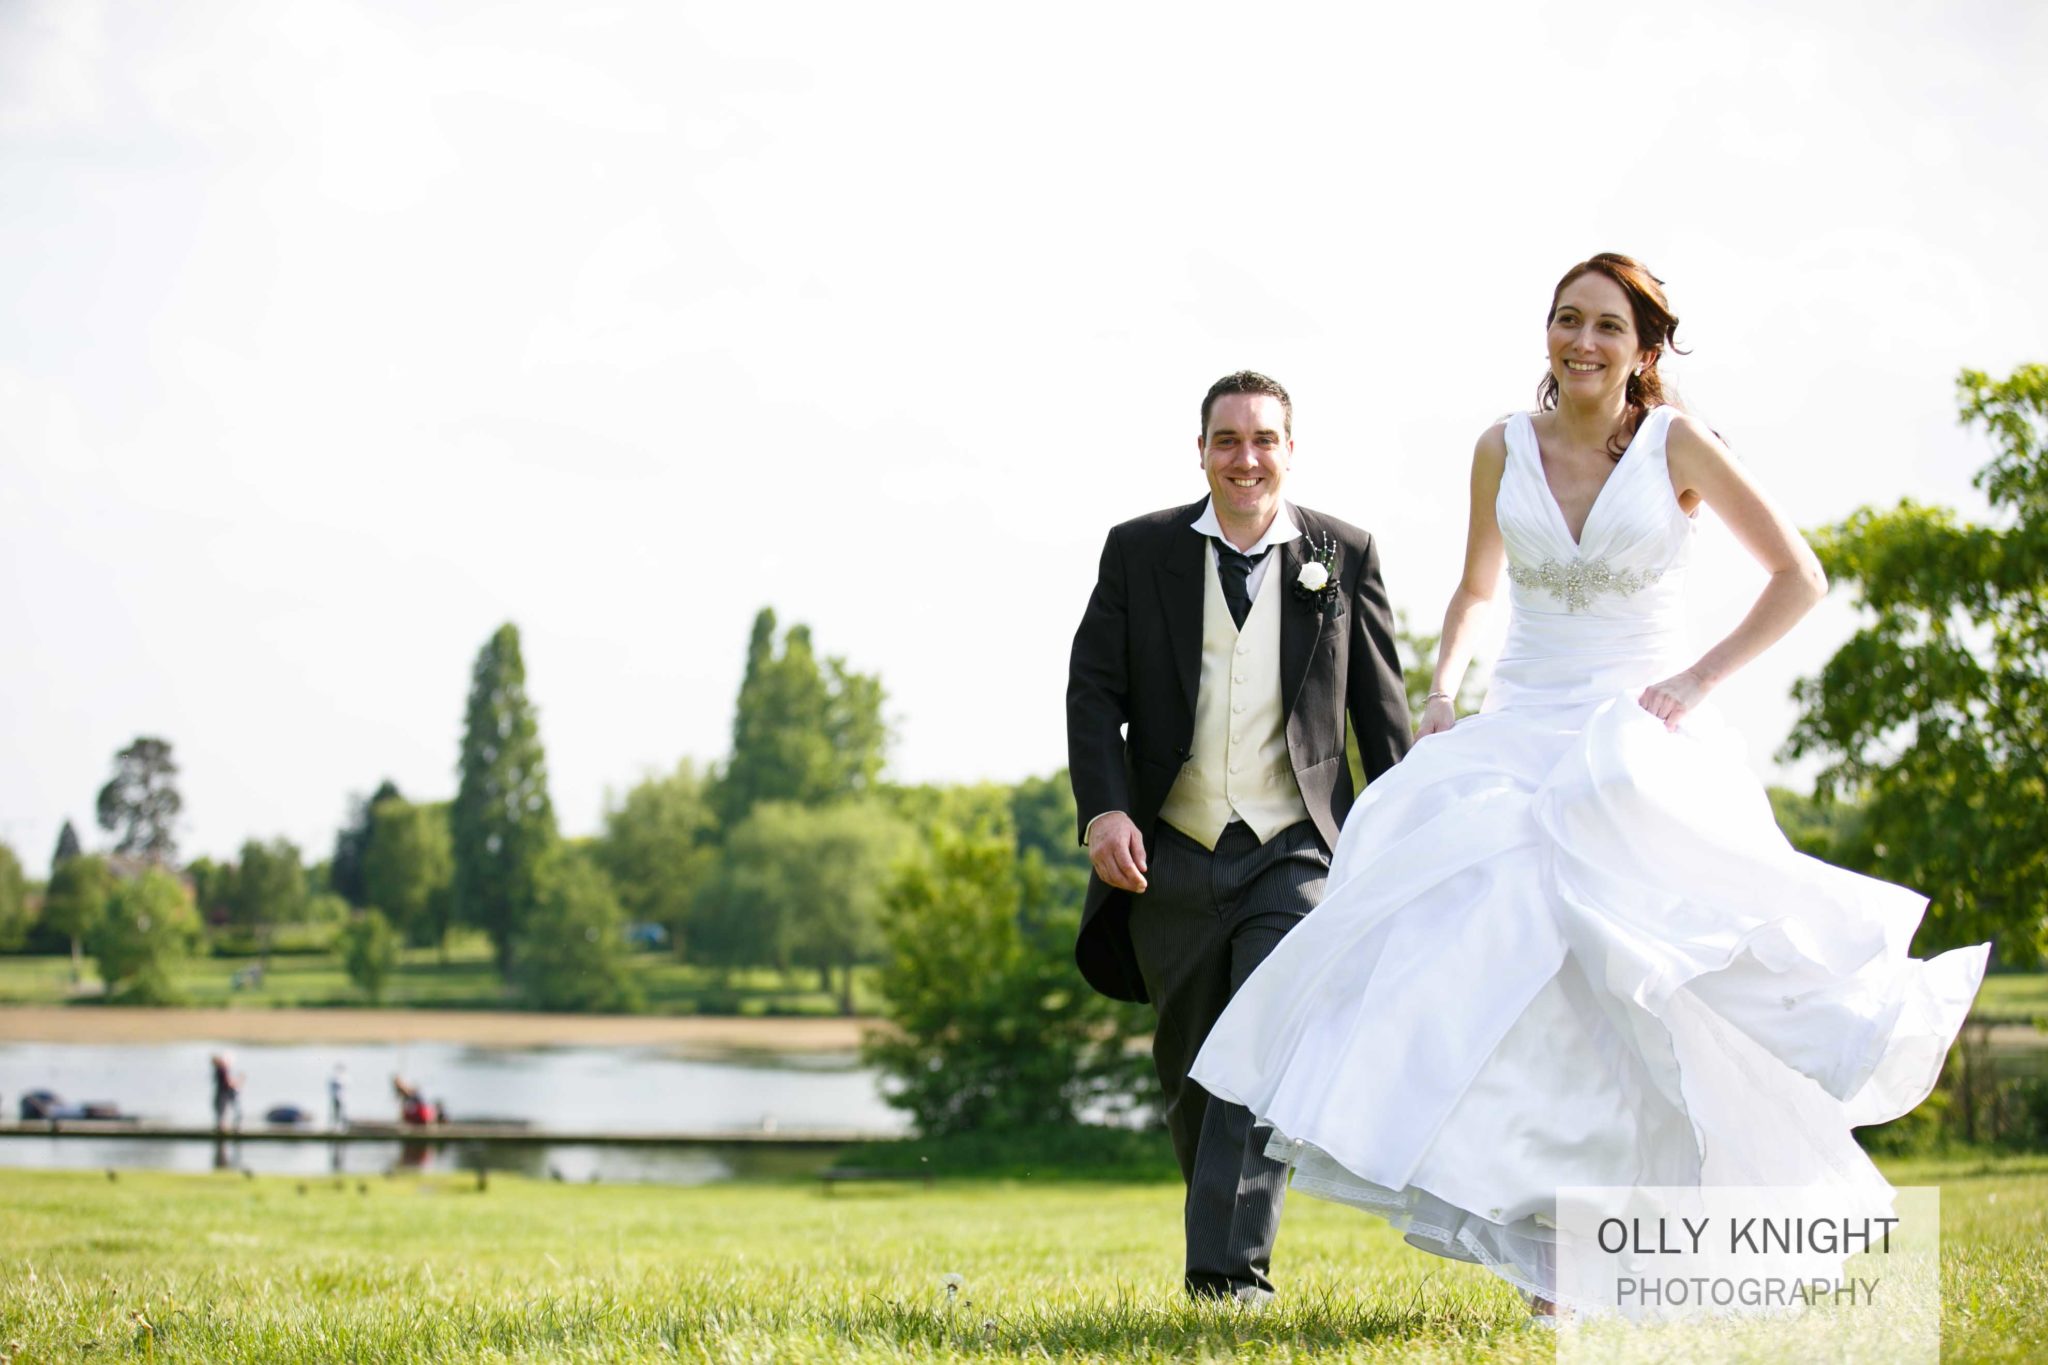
<point>1234,567</point>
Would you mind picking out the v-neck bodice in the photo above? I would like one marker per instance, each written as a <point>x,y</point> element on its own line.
<point>1616,594</point>
<point>1632,503</point>
<point>1614,466</point>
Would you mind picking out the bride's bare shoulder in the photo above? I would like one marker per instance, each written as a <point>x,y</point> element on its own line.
<point>1490,453</point>
<point>1693,449</point>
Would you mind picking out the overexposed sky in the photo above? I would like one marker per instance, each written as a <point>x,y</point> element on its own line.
<point>339,333</point>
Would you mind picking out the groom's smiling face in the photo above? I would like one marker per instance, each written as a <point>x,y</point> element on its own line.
<point>1246,452</point>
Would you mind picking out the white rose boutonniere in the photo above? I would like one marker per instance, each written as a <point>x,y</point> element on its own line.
<point>1316,584</point>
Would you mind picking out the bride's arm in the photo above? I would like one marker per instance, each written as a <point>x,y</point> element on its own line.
<point>1702,468</point>
<point>1484,556</point>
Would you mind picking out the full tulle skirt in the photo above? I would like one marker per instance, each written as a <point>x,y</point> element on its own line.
<point>1563,946</point>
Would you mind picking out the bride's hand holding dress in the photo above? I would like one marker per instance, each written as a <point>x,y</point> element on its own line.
<point>1705,473</point>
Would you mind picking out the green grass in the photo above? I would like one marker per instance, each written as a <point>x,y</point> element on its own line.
<point>226,1269</point>
<point>1083,1152</point>
<point>467,980</point>
<point>2014,996</point>
<point>38,980</point>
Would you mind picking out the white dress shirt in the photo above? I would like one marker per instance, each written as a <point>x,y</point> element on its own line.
<point>1280,532</point>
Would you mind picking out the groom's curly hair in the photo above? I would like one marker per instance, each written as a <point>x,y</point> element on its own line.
<point>1247,381</point>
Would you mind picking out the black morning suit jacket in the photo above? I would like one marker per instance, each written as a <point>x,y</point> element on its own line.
<point>1136,665</point>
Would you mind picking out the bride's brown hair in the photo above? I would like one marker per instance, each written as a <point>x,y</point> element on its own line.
<point>1655,324</point>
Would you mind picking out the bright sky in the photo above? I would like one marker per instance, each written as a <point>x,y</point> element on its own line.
<point>339,333</point>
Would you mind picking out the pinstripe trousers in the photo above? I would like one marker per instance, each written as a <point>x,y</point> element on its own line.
<point>1204,922</point>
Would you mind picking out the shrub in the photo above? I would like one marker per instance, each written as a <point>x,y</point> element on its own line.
<point>993,1028</point>
<point>571,951</point>
<point>369,952</point>
<point>149,925</point>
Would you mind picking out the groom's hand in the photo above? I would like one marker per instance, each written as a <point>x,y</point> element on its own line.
<point>1118,852</point>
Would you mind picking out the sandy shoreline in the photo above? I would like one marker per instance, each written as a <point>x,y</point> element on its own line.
<point>59,1024</point>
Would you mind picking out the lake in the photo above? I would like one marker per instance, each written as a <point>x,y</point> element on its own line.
<point>586,1089</point>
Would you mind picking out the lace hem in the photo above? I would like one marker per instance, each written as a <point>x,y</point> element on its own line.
<point>1523,1253</point>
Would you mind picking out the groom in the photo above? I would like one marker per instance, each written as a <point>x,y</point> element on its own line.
<point>1221,650</point>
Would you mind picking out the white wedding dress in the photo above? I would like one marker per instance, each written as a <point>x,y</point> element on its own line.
<point>1564,946</point>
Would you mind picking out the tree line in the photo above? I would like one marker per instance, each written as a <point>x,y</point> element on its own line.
<point>795,853</point>
<point>776,857</point>
<point>1931,724</point>
<point>783,856</point>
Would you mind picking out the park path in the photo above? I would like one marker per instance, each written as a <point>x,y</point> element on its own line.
<point>61,1024</point>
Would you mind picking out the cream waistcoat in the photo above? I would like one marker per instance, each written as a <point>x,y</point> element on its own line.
<point>1240,765</point>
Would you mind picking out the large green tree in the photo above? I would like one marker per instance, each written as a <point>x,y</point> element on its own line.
<point>75,902</point>
<point>345,868</point>
<point>803,886</point>
<point>14,909</point>
<point>503,822</point>
<point>408,869</point>
<point>140,802</point>
<point>1934,716</point>
<point>657,849</point>
<point>1043,811</point>
<point>213,889</point>
<point>266,889</point>
<point>148,928</point>
<point>802,731</point>
<point>986,809</point>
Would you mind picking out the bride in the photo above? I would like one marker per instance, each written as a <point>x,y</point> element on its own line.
<point>1564,942</point>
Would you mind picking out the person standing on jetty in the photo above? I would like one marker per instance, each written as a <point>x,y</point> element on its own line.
<point>227,1092</point>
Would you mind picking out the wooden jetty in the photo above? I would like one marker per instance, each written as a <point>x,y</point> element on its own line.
<point>506,1132</point>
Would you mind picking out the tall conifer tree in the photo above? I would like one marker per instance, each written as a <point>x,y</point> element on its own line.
<point>67,848</point>
<point>503,822</point>
<point>345,868</point>
<point>802,731</point>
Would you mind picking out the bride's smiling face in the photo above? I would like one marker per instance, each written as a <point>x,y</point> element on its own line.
<point>1592,338</point>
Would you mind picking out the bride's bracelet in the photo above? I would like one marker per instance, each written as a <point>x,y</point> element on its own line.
<point>1434,695</point>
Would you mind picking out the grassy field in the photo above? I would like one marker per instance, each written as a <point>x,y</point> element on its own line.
<point>2015,996</point>
<point>227,1269</point>
<point>468,980</point>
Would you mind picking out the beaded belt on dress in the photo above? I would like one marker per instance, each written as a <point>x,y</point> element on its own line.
<point>1576,582</point>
